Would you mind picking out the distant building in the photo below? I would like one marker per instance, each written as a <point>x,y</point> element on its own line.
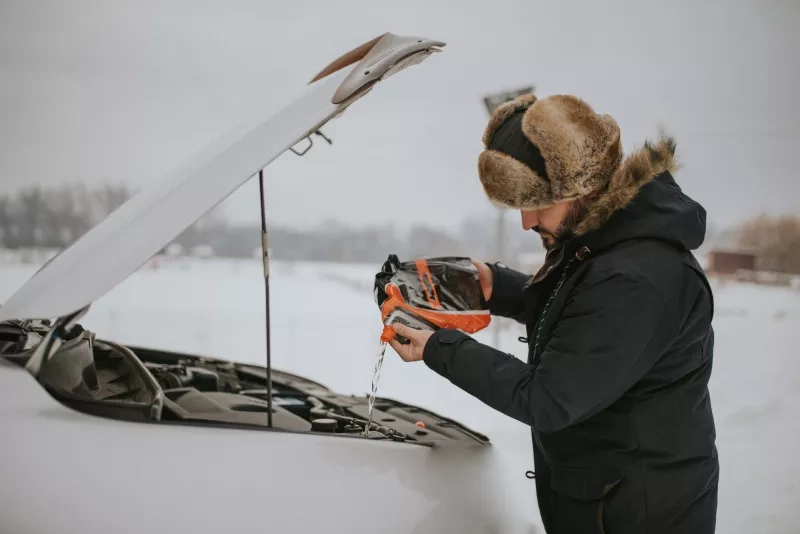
<point>730,261</point>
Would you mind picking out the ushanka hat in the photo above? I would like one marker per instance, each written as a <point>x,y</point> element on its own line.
<point>538,152</point>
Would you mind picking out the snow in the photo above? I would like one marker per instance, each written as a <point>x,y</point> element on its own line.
<point>325,326</point>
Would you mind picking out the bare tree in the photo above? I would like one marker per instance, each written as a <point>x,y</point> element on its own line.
<point>55,217</point>
<point>775,240</point>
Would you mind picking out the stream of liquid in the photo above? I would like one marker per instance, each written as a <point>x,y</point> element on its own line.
<point>375,377</point>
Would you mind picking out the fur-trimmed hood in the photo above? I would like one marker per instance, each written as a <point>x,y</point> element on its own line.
<point>636,170</point>
<point>643,201</point>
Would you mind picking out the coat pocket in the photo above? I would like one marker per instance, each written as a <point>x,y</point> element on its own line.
<point>579,498</point>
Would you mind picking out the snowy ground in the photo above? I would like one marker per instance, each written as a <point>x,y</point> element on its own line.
<point>326,326</point>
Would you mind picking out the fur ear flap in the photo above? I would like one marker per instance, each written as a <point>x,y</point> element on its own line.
<point>581,148</point>
<point>512,183</point>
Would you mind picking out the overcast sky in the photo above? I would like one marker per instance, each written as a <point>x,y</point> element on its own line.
<point>126,91</point>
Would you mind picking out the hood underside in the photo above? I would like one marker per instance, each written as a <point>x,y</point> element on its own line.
<point>136,231</point>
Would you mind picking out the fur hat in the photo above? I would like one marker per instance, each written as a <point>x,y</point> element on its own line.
<point>539,152</point>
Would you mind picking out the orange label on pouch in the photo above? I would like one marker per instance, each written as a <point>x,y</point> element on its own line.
<point>466,322</point>
<point>426,280</point>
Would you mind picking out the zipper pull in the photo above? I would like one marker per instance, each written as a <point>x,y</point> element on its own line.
<point>522,339</point>
<point>582,253</point>
<point>530,475</point>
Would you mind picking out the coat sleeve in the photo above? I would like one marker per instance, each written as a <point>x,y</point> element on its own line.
<point>610,333</point>
<point>507,295</point>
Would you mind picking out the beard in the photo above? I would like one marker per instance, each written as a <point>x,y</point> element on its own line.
<point>549,239</point>
<point>565,230</point>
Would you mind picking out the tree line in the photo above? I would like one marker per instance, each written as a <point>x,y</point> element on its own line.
<point>775,242</point>
<point>54,217</point>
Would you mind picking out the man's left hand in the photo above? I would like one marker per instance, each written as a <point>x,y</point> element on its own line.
<point>418,338</point>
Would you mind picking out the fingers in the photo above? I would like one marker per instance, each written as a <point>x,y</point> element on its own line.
<point>412,334</point>
<point>404,351</point>
<point>485,277</point>
<point>413,351</point>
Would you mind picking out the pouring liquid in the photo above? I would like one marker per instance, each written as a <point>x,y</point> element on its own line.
<point>375,377</point>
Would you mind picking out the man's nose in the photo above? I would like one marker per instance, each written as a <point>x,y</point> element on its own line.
<point>529,219</point>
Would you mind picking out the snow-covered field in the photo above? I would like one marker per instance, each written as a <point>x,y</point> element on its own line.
<point>325,326</point>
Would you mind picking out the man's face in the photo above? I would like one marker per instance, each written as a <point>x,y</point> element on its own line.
<point>554,222</point>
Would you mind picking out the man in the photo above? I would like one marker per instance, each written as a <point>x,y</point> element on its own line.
<point>618,321</point>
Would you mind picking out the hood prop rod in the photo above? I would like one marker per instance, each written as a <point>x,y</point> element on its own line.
<point>265,258</point>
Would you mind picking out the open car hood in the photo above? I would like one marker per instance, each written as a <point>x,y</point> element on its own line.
<point>131,235</point>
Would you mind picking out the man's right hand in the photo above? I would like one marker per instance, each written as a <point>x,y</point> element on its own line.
<point>486,278</point>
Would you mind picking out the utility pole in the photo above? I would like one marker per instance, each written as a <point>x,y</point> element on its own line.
<point>492,101</point>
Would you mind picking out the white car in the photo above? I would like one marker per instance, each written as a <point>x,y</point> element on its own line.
<point>98,437</point>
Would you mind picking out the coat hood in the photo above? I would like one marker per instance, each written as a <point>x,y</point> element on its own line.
<point>642,200</point>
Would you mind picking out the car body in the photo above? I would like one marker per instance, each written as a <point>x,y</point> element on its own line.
<point>102,437</point>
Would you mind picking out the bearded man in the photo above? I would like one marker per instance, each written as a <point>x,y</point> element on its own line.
<point>620,342</point>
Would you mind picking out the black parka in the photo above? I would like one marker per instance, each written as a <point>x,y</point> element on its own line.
<point>615,388</point>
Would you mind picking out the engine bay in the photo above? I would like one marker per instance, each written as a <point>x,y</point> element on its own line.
<point>108,379</point>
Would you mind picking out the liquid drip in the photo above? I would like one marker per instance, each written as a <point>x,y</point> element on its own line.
<point>375,377</point>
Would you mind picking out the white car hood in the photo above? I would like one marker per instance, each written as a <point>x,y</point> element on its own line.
<point>132,234</point>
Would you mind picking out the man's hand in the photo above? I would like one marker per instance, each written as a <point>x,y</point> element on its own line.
<point>418,338</point>
<point>486,278</point>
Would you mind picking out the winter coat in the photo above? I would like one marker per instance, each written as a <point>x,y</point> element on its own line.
<point>615,388</point>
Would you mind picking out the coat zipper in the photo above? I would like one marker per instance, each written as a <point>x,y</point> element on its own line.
<point>580,255</point>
